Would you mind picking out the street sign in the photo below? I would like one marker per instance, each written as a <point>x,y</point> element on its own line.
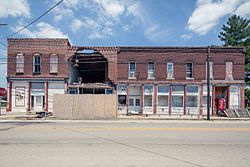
<point>3,92</point>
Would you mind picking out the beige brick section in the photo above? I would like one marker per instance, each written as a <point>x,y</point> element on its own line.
<point>85,106</point>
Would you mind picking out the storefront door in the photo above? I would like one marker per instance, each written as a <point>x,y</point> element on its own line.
<point>38,103</point>
<point>135,104</point>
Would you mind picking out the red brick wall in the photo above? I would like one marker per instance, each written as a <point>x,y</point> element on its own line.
<point>180,56</point>
<point>45,47</point>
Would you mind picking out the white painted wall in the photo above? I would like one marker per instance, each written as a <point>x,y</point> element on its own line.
<point>18,84</point>
<point>54,88</point>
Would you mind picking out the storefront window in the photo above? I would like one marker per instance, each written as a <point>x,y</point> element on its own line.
<point>163,89</point>
<point>192,89</point>
<point>148,89</point>
<point>192,101</point>
<point>163,101</point>
<point>177,101</point>
<point>148,101</point>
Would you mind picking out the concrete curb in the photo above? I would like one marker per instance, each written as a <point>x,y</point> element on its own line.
<point>129,118</point>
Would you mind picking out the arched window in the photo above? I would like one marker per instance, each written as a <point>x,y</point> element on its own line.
<point>37,63</point>
<point>53,63</point>
<point>19,63</point>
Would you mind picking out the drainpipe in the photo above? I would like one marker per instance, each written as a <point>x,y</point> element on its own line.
<point>208,83</point>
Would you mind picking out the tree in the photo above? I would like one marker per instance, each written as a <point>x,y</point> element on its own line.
<point>237,33</point>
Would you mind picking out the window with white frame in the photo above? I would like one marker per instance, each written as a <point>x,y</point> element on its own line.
<point>163,96</point>
<point>151,69</point>
<point>131,69</point>
<point>192,95</point>
<point>53,63</point>
<point>189,70</point>
<point>19,63</point>
<point>170,70</point>
<point>37,63</point>
<point>177,95</point>
<point>148,96</point>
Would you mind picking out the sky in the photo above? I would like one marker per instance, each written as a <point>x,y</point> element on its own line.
<point>119,22</point>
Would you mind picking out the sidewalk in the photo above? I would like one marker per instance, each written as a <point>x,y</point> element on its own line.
<point>34,116</point>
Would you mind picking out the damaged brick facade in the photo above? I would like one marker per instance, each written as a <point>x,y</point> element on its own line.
<point>149,91</point>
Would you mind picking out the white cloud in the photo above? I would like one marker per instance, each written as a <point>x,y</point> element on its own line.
<point>125,27</point>
<point>42,30</point>
<point>61,12</point>
<point>243,9</point>
<point>105,15</point>
<point>14,8</point>
<point>155,34</point>
<point>112,8</point>
<point>71,3</point>
<point>152,30</point>
<point>207,14</point>
<point>186,36</point>
<point>76,25</point>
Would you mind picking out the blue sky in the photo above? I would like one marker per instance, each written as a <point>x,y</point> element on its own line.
<point>120,22</point>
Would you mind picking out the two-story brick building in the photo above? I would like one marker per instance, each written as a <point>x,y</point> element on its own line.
<point>147,80</point>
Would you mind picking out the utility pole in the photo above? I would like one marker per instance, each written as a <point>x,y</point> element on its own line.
<point>208,83</point>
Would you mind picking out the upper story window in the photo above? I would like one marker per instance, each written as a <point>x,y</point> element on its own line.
<point>131,69</point>
<point>151,70</point>
<point>53,63</point>
<point>170,70</point>
<point>229,70</point>
<point>37,63</point>
<point>189,70</point>
<point>19,63</point>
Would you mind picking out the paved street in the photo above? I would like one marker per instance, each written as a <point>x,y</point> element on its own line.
<point>124,143</point>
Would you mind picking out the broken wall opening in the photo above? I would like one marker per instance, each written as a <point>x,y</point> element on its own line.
<point>88,67</point>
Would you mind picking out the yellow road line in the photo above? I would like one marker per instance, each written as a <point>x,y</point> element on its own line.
<point>161,129</point>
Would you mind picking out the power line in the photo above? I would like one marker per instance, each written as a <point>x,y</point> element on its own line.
<point>3,44</point>
<point>32,21</point>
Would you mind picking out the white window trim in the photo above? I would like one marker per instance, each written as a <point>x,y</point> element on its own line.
<point>129,77</point>
<point>148,77</point>
<point>18,55</point>
<point>194,94</point>
<point>51,64</point>
<point>172,70</point>
<point>35,55</point>
<point>192,71</point>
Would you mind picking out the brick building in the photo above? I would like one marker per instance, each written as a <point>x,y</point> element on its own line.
<point>147,80</point>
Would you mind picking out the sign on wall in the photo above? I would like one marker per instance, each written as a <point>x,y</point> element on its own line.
<point>20,96</point>
<point>3,92</point>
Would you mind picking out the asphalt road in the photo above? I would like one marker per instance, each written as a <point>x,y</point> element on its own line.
<point>124,143</point>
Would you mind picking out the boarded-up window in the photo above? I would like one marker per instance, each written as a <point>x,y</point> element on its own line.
<point>19,63</point>
<point>229,70</point>
<point>53,64</point>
